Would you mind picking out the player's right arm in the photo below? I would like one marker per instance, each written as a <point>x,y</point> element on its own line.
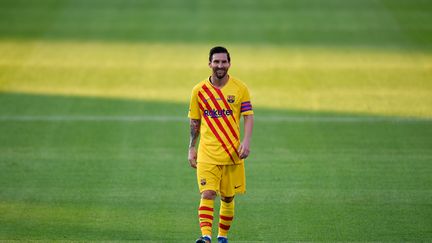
<point>195,125</point>
<point>194,134</point>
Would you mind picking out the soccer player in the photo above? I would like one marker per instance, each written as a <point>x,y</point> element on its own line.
<point>215,108</point>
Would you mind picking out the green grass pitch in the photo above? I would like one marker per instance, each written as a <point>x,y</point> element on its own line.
<point>94,133</point>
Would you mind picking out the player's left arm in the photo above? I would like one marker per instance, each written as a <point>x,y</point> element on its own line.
<point>244,148</point>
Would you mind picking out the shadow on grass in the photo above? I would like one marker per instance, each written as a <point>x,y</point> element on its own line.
<point>397,24</point>
<point>71,122</point>
<point>69,169</point>
<point>25,104</point>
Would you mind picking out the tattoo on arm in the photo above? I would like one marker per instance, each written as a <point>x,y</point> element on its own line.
<point>194,131</point>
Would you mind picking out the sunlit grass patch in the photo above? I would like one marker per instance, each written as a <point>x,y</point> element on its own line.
<point>362,80</point>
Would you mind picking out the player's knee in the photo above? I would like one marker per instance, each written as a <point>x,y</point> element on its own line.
<point>210,195</point>
<point>227,199</point>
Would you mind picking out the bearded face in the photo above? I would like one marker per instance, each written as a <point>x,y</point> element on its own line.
<point>220,65</point>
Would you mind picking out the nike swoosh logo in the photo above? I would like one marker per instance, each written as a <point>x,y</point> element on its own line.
<point>236,187</point>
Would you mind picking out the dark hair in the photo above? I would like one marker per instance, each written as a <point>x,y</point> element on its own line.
<point>219,49</point>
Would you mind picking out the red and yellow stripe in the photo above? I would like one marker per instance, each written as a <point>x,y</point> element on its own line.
<point>213,129</point>
<point>211,104</point>
<point>218,107</point>
<point>205,216</point>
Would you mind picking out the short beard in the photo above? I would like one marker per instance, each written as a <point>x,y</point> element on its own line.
<point>220,77</point>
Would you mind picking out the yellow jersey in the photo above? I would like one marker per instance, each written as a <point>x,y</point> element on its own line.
<point>219,111</point>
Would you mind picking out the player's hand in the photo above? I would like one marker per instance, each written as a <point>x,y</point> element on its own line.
<point>192,157</point>
<point>244,150</point>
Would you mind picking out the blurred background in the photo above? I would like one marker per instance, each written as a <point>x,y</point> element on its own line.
<point>351,56</point>
<point>94,130</point>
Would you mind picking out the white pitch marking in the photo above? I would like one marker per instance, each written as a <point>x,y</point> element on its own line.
<point>260,119</point>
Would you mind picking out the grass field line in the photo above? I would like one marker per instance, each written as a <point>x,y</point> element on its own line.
<point>158,118</point>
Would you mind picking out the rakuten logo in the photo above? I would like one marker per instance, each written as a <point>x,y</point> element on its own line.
<point>217,113</point>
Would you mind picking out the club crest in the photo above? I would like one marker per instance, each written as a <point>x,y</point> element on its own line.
<point>203,182</point>
<point>230,98</point>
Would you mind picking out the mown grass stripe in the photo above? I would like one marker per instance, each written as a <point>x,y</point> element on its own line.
<point>78,118</point>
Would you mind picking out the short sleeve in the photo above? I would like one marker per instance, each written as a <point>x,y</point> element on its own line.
<point>194,111</point>
<point>246,105</point>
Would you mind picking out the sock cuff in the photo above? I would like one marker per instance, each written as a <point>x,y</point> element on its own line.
<point>207,236</point>
<point>207,202</point>
<point>227,205</point>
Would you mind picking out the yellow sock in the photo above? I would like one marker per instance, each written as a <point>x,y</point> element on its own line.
<point>226,216</point>
<point>205,213</point>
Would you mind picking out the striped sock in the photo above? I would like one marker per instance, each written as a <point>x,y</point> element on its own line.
<point>226,216</point>
<point>205,213</point>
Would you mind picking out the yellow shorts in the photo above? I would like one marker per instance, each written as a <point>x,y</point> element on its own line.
<point>226,180</point>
